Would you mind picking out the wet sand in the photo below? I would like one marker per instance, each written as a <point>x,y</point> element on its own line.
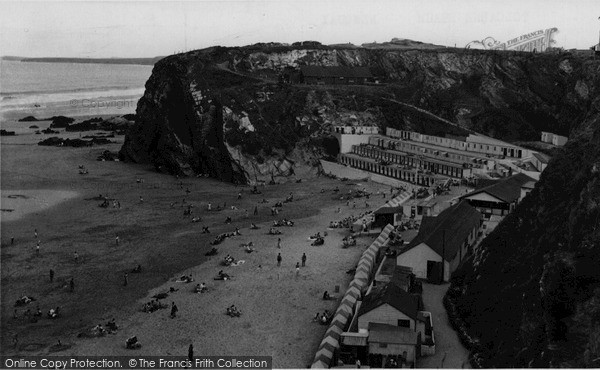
<point>18,203</point>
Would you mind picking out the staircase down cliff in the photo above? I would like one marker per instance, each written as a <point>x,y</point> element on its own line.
<point>530,296</point>
<point>226,111</point>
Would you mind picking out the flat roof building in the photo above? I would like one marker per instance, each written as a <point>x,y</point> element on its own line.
<point>318,75</point>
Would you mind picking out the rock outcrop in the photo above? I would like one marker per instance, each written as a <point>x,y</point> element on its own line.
<point>226,111</point>
<point>530,296</point>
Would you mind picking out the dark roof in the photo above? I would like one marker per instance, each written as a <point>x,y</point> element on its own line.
<point>348,72</point>
<point>392,295</point>
<point>389,210</point>
<point>401,277</point>
<point>457,221</point>
<point>384,333</point>
<point>507,190</point>
<point>542,157</point>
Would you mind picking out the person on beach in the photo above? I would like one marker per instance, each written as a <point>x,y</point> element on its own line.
<point>239,195</point>
<point>76,256</point>
<point>35,233</point>
<point>174,310</point>
<point>279,243</point>
<point>191,352</point>
<point>51,275</point>
<point>72,285</point>
<point>141,199</point>
<point>37,248</point>
<point>209,207</point>
<point>303,259</point>
<point>297,269</point>
<point>125,280</point>
<point>117,239</point>
<point>279,259</point>
<point>255,210</point>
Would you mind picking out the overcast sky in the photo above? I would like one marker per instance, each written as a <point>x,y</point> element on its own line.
<point>146,29</point>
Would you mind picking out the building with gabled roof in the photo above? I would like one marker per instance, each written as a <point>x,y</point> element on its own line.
<point>442,242</point>
<point>388,305</point>
<point>499,198</point>
<point>389,340</point>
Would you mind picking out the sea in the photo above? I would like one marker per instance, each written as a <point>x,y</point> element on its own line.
<point>71,89</point>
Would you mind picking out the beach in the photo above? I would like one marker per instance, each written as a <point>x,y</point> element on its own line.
<point>277,306</point>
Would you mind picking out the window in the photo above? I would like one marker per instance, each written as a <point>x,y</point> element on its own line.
<point>404,323</point>
<point>382,345</point>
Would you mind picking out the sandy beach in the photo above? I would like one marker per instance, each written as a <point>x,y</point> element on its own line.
<point>277,307</point>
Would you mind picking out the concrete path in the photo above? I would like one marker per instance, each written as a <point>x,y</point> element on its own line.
<point>449,351</point>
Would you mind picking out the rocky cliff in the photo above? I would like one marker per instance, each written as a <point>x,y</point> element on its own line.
<point>232,113</point>
<point>530,296</point>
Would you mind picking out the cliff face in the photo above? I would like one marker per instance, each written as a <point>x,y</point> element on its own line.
<point>219,109</point>
<point>530,296</point>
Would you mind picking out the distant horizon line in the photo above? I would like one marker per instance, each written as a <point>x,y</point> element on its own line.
<point>157,57</point>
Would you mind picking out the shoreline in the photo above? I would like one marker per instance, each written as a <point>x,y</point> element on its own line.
<point>24,202</point>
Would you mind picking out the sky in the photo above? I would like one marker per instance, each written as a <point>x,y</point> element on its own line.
<point>153,28</point>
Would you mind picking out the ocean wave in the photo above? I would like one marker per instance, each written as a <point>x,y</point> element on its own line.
<point>4,94</point>
<point>74,97</point>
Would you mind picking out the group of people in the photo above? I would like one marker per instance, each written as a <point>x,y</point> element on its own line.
<point>186,279</point>
<point>219,238</point>
<point>100,330</point>
<point>233,311</point>
<point>323,318</point>
<point>348,241</point>
<point>317,239</point>
<point>153,305</point>
<point>228,260</point>
<point>274,231</point>
<point>132,343</point>
<point>200,288</point>
<point>284,222</point>
<point>248,247</point>
<point>347,222</point>
<point>222,276</point>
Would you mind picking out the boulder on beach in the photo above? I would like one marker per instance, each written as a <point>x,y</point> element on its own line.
<point>52,141</point>
<point>50,131</point>
<point>7,133</point>
<point>29,119</point>
<point>61,121</point>
<point>115,124</point>
<point>87,125</point>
